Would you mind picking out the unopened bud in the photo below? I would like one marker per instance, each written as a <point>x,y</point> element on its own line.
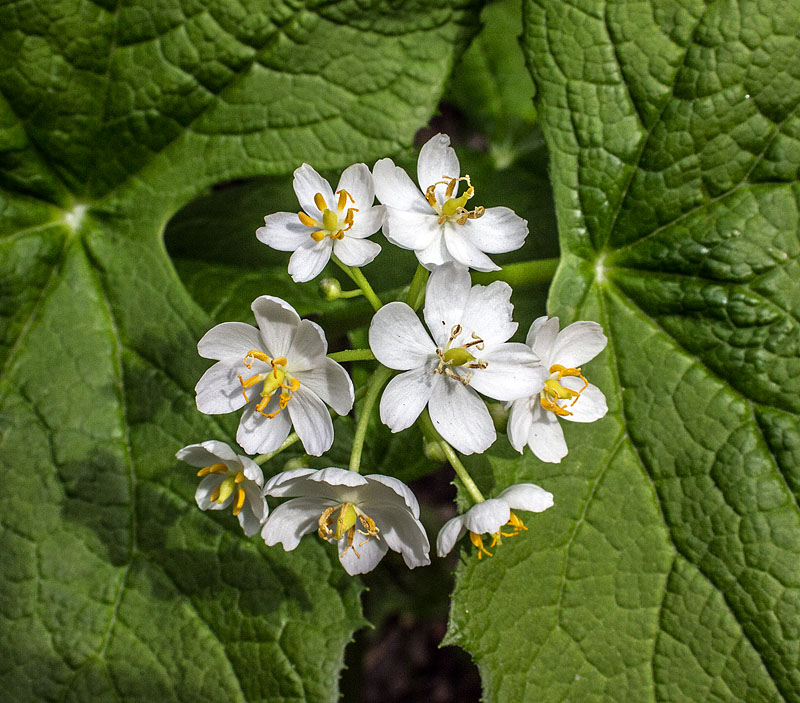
<point>330,289</point>
<point>499,415</point>
<point>433,452</point>
<point>299,462</point>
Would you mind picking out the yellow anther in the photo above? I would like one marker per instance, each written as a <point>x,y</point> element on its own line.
<point>325,521</point>
<point>307,220</point>
<point>343,197</point>
<point>239,477</point>
<point>239,502</point>
<point>477,540</point>
<point>319,201</point>
<point>516,526</point>
<point>318,236</point>
<point>554,391</point>
<point>213,469</point>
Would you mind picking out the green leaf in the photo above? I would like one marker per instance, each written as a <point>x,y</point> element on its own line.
<point>668,569</point>
<point>112,117</point>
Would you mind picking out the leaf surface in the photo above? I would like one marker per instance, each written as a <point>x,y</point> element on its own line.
<point>113,116</point>
<point>668,569</point>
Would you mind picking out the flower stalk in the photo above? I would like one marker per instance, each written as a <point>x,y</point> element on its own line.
<point>262,459</point>
<point>377,382</point>
<point>355,275</point>
<point>352,355</point>
<point>461,471</point>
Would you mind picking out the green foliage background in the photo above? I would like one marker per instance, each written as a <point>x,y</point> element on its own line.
<point>668,569</point>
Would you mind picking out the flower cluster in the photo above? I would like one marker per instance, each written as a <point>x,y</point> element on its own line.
<point>288,388</point>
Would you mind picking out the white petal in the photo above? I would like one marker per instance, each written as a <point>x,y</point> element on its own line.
<point>254,511</point>
<point>283,231</point>
<point>403,533</point>
<point>357,180</point>
<point>367,222</point>
<point>520,420</point>
<point>497,231</point>
<point>527,496</point>
<point>446,295</point>
<point>278,485</point>
<point>437,160</point>
<point>461,417</point>
<point>394,187</point>
<point>488,313</point>
<point>311,421</point>
<point>369,555</point>
<point>398,490</point>
<point>219,390</point>
<point>307,183</point>
<point>451,532</point>
<point>398,339</point>
<point>330,382</point>
<point>252,472</point>
<point>411,229</point>
<point>230,340</point>
<point>435,254</point>
<point>511,372</point>
<point>546,438</point>
<point>465,252</point>
<point>541,337</point>
<point>260,435</point>
<point>578,343</point>
<point>308,347</point>
<point>207,453</point>
<point>406,396</point>
<point>355,252</point>
<point>205,488</point>
<point>590,406</point>
<point>291,520</point>
<point>309,259</point>
<point>278,323</point>
<point>488,516</point>
<point>334,476</point>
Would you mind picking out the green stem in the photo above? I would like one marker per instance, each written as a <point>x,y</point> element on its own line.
<point>360,280</point>
<point>416,292</point>
<point>522,273</point>
<point>288,442</point>
<point>461,471</point>
<point>380,377</point>
<point>351,293</point>
<point>353,355</point>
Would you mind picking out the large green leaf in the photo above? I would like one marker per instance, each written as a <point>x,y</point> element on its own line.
<point>668,569</point>
<point>112,116</point>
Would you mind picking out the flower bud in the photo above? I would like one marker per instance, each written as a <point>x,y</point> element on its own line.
<point>330,289</point>
<point>433,452</point>
<point>499,415</point>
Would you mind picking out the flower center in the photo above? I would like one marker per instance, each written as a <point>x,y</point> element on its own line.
<point>274,379</point>
<point>227,487</point>
<point>452,357</point>
<point>334,222</point>
<point>514,523</point>
<point>347,518</point>
<point>453,209</point>
<point>553,391</point>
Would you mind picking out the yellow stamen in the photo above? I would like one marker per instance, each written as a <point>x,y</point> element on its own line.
<point>477,540</point>
<point>554,391</point>
<point>319,201</point>
<point>213,469</point>
<point>307,220</point>
<point>318,236</point>
<point>239,502</point>
<point>239,478</point>
<point>343,197</point>
<point>516,526</point>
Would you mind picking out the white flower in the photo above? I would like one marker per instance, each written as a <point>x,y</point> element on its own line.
<point>435,221</point>
<point>469,353</point>
<point>229,479</point>
<point>338,222</point>
<point>493,514</point>
<point>279,366</point>
<point>566,393</point>
<point>342,504</point>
